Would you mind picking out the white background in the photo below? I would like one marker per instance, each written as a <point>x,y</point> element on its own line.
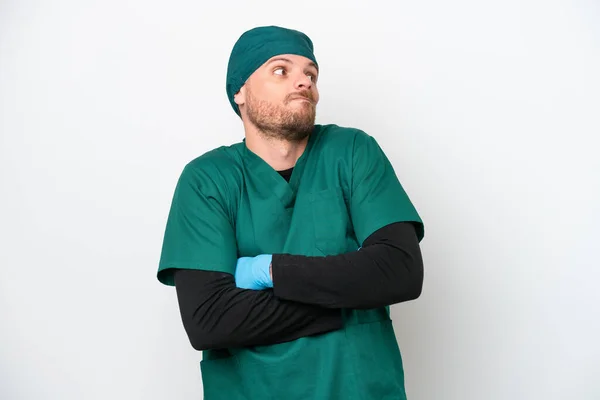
<point>489,112</point>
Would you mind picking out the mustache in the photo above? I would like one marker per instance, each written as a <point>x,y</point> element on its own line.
<point>307,94</point>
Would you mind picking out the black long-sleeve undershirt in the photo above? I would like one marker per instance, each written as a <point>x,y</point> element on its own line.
<point>217,314</point>
<point>387,270</point>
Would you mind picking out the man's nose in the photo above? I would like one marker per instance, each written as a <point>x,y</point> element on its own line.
<point>303,81</point>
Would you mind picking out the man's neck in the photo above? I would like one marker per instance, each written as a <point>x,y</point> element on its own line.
<point>278,153</point>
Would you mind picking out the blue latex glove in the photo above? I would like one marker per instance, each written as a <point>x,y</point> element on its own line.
<point>253,272</point>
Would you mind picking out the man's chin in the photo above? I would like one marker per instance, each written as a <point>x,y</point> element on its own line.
<point>305,115</point>
<point>305,123</point>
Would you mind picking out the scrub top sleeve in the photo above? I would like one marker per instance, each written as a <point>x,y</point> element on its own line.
<point>198,233</point>
<point>377,197</point>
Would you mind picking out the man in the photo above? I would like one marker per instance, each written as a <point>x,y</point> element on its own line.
<point>287,248</point>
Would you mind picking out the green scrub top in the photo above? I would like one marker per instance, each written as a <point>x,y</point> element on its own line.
<point>230,203</point>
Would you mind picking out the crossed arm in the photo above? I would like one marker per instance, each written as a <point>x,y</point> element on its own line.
<point>307,296</point>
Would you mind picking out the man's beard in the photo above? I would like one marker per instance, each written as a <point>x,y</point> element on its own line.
<point>278,122</point>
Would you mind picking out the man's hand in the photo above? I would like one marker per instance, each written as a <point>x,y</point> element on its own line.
<point>254,272</point>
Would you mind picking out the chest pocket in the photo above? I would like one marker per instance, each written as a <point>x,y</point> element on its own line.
<point>331,221</point>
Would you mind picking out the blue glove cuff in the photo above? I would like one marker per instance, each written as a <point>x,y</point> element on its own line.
<point>261,269</point>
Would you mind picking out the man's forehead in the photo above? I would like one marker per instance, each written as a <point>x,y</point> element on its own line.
<point>291,59</point>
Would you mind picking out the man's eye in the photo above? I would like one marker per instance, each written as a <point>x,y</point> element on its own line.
<point>279,71</point>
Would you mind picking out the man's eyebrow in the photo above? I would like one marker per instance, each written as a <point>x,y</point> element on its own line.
<point>287,60</point>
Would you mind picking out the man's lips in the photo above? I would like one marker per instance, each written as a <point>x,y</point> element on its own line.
<point>302,98</point>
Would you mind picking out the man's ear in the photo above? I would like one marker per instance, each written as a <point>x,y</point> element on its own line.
<point>240,96</point>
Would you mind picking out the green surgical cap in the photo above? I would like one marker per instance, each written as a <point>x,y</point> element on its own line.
<point>257,46</point>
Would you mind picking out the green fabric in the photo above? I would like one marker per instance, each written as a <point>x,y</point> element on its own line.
<point>229,203</point>
<point>258,45</point>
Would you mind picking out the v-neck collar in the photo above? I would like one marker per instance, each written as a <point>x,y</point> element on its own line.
<point>286,173</point>
<point>285,191</point>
